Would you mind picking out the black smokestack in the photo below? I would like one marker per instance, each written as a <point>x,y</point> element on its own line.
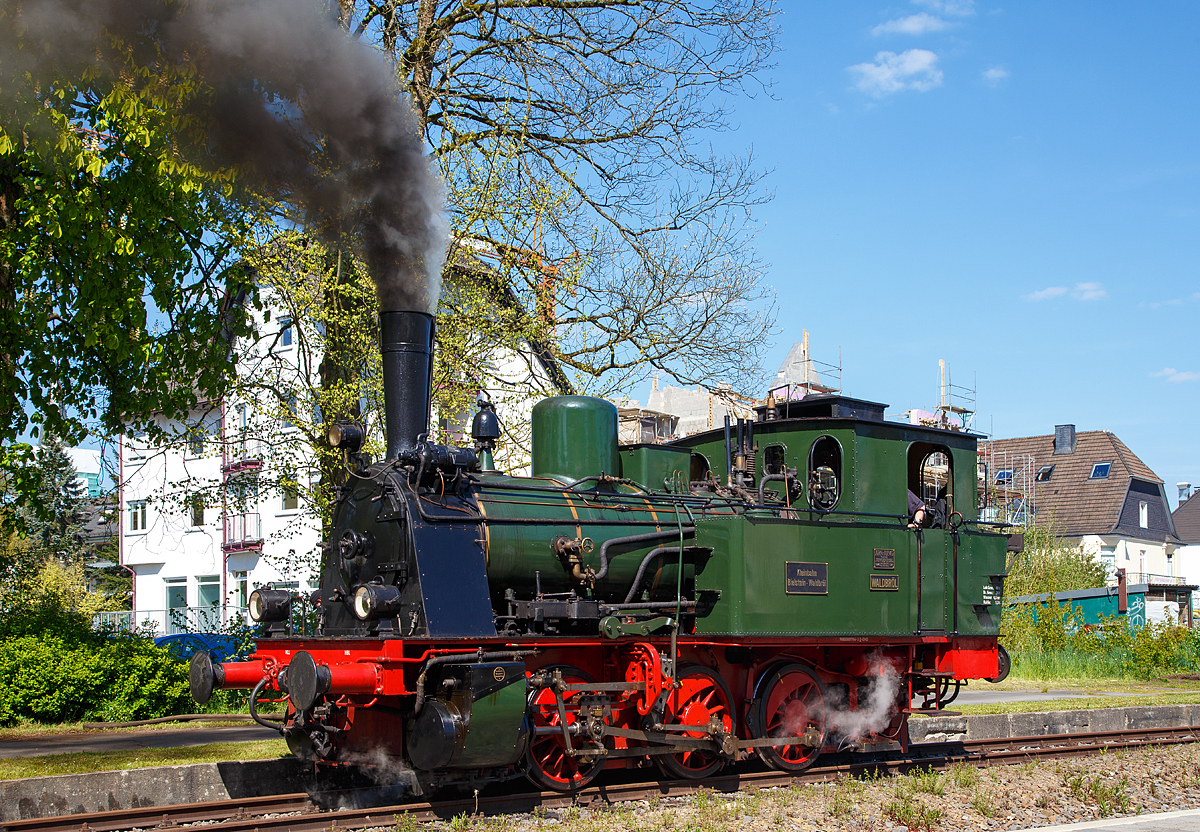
<point>406,339</point>
<point>304,113</point>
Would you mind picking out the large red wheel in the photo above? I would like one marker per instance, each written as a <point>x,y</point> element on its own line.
<point>701,698</point>
<point>550,766</point>
<point>789,702</point>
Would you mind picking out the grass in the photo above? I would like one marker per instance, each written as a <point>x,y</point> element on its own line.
<point>914,814</point>
<point>82,762</point>
<point>1155,692</point>
<point>1108,797</point>
<point>33,730</point>
<point>1086,703</point>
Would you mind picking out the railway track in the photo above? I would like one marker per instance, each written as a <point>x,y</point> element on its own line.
<point>297,813</point>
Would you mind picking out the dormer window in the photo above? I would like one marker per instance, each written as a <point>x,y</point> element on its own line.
<point>1004,476</point>
<point>1100,471</point>
<point>1043,473</point>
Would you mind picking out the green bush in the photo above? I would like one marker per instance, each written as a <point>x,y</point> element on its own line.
<point>1050,640</point>
<point>54,668</point>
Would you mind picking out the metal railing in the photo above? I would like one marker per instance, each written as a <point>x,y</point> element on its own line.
<point>171,621</point>
<point>242,455</point>
<point>1151,578</point>
<point>241,531</point>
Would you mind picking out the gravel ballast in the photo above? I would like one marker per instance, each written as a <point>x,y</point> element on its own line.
<point>1032,794</point>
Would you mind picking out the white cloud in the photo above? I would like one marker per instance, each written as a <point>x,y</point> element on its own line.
<point>1047,293</point>
<point>959,8</point>
<point>1088,291</point>
<point>1082,291</point>
<point>1159,304</point>
<point>914,24</point>
<point>1175,376</point>
<point>913,69</point>
<point>994,75</point>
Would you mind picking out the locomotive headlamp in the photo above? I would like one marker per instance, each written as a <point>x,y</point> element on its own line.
<point>375,601</point>
<point>267,604</point>
<point>346,435</point>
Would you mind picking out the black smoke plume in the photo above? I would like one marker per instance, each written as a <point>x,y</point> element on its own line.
<point>302,110</point>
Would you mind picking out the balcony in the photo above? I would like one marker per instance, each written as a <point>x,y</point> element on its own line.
<point>241,532</point>
<point>170,622</point>
<point>241,455</point>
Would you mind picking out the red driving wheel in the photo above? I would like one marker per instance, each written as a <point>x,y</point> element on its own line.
<point>550,766</point>
<point>701,697</point>
<point>789,702</point>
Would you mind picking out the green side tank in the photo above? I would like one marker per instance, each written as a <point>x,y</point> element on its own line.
<point>575,437</point>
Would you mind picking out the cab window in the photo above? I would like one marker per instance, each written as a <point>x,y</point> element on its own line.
<point>931,478</point>
<point>825,474</point>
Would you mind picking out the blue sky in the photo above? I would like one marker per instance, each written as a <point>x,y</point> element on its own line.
<point>1010,187</point>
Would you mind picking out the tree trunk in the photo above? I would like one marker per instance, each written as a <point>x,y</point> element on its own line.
<point>9,191</point>
<point>335,371</point>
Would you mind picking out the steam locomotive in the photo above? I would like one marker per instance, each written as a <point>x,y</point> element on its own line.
<point>753,590</point>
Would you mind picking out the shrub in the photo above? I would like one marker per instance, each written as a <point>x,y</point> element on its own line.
<point>54,668</point>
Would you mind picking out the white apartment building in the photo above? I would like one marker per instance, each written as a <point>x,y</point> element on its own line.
<point>208,517</point>
<point>204,517</point>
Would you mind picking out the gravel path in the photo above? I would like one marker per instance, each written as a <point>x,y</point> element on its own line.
<point>1037,793</point>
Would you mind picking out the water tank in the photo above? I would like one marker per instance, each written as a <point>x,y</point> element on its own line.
<point>574,437</point>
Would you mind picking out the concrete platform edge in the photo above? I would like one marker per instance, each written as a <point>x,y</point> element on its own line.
<point>1146,822</point>
<point>999,726</point>
<point>102,791</point>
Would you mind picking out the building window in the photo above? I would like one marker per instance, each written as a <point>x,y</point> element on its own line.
<point>1100,471</point>
<point>1144,514</point>
<point>196,509</point>
<point>176,593</point>
<point>1004,476</point>
<point>196,442</point>
<point>285,332</point>
<point>1043,473</point>
<point>208,590</point>
<point>289,411</point>
<point>136,446</point>
<point>241,590</point>
<point>291,493</point>
<point>137,515</point>
<point>243,491</point>
<point>177,606</point>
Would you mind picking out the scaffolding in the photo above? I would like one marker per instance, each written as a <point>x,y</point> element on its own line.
<point>804,375</point>
<point>1007,482</point>
<point>956,405</point>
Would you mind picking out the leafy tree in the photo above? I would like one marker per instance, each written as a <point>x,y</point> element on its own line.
<point>570,138</point>
<point>60,501</point>
<point>1051,564</point>
<point>113,247</point>
<point>45,562</point>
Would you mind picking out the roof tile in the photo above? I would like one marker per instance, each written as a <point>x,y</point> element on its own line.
<point>1078,504</point>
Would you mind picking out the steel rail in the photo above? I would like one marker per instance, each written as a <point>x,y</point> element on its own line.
<point>295,812</point>
<point>164,816</point>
